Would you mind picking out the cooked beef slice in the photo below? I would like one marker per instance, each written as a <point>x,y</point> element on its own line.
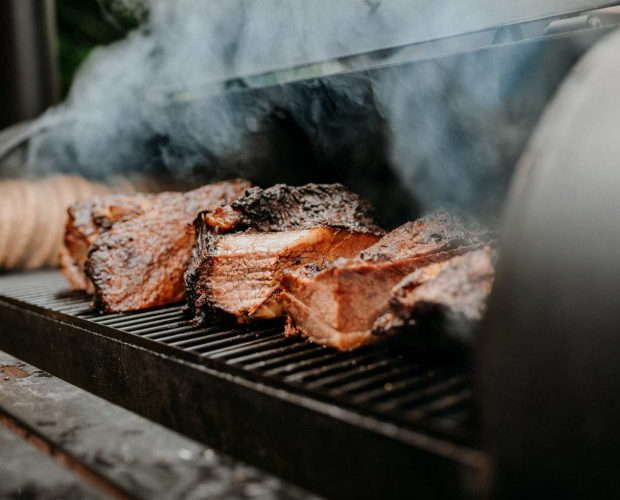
<point>243,249</point>
<point>338,305</point>
<point>86,221</point>
<point>452,295</point>
<point>139,262</point>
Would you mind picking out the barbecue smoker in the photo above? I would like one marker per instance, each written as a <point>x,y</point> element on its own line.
<point>533,412</point>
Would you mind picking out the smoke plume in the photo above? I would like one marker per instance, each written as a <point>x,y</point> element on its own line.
<point>173,99</point>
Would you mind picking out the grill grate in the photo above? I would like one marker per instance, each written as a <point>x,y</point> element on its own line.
<point>431,396</point>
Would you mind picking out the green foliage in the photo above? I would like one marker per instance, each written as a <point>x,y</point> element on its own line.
<point>85,24</point>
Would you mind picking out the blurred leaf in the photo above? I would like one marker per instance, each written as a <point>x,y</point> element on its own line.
<point>83,25</point>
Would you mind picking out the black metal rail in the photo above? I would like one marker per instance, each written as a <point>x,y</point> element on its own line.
<point>374,421</point>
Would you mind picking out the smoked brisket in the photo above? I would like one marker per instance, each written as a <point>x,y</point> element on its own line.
<point>86,221</point>
<point>137,261</point>
<point>337,305</point>
<point>450,296</point>
<point>243,249</point>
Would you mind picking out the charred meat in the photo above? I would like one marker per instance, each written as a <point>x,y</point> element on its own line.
<point>87,220</point>
<point>451,295</point>
<point>339,304</point>
<point>139,262</point>
<point>243,249</point>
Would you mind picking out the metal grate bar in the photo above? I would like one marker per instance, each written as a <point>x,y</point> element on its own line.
<point>348,362</point>
<point>273,364</point>
<point>79,302</point>
<point>271,354</point>
<point>181,336</point>
<point>290,368</point>
<point>27,287</point>
<point>76,310</point>
<point>275,338</point>
<point>424,393</point>
<point>448,404</point>
<point>116,319</point>
<point>43,296</point>
<point>211,334</point>
<point>360,372</point>
<point>383,380</point>
<point>403,386</point>
<point>228,340</point>
<point>184,340</point>
<point>155,325</point>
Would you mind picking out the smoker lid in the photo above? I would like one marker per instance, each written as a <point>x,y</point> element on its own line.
<point>323,37</point>
<point>382,25</point>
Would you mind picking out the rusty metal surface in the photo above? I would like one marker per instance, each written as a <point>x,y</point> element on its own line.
<point>112,448</point>
<point>27,473</point>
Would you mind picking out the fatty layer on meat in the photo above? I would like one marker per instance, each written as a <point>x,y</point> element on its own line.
<point>243,249</point>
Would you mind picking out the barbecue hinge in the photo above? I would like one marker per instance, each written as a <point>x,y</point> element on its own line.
<point>569,24</point>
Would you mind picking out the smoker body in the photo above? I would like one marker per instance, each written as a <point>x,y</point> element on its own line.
<point>550,360</point>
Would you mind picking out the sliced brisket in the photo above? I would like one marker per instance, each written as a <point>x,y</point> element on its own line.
<point>338,305</point>
<point>87,220</point>
<point>139,262</point>
<point>451,295</point>
<point>243,249</point>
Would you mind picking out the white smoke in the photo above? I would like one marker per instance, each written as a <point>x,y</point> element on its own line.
<point>173,97</point>
<point>118,115</point>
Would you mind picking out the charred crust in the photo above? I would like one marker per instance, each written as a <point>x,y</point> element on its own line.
<point>290,328</point>
<point>275,209</point>
<point>445,231</point>
<point>283,208</point>
<point>130,236</point>
<point>199,292</point>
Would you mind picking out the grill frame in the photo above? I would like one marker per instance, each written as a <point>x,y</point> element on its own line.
<point>357,452</point>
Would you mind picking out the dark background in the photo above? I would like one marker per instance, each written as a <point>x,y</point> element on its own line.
<point>43,43</point>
